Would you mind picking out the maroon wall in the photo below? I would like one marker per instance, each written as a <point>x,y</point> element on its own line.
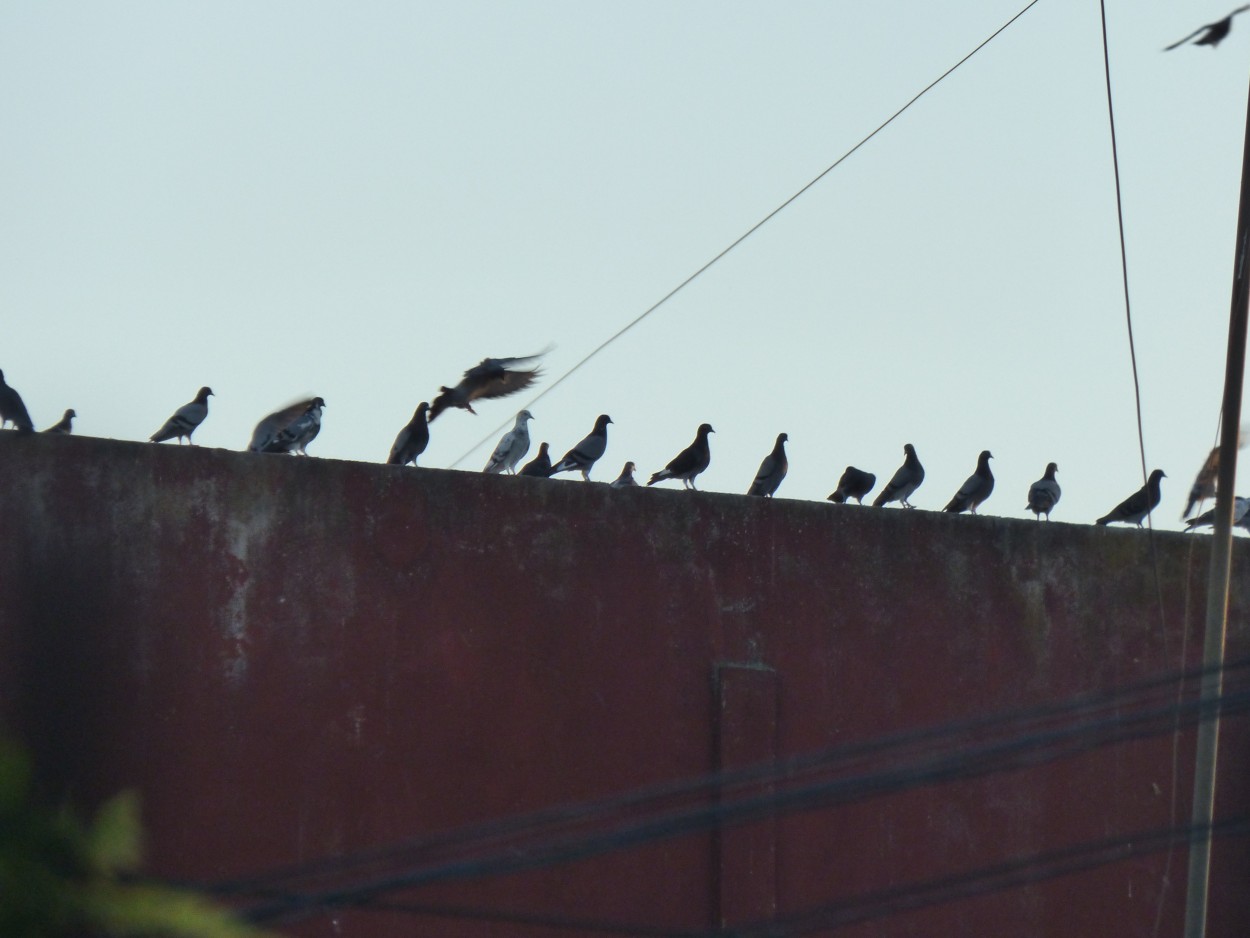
<point>294,659</point>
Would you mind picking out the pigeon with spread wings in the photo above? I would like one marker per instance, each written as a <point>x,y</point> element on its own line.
<point>290,429</point>
<point>491,377</point>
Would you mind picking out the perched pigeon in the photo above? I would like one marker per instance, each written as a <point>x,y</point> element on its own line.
<point>290,429</point>
<point>539,466</point>
<point>491,377</point>
<point>582,457</point>
<point>904,481</point>
<point>12,410</point>
<point>512,446</point>
<point>976,488</point>
<point>689,462</point>
<point>1212,33</point>
<point>1141,503</point>
<point>185,419</point>
<point>412,440</point>
<point>1044,494</point>
<point>855,483</point>
<point>626,478</point>
<point>65,425</point>
<point>1241,516</point>
<point>772,470</point>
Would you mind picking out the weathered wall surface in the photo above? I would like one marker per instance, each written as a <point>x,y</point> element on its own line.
<point>300,658</point>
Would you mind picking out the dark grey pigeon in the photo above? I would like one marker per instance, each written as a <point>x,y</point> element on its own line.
<point>583,456</point>
<point>1137,506</point>
<point>904,481</point>
<point>772,470</point>
<point>540,466</point>
<point>976,488</point>
<point>1044,493</point>
<point>12,410</point>
<point>290,429</point>
<point>489,378</point>
<point>1241,516</point>
<point>512,446</point>
<point>412,440</point>
<point>855,483</point>
<point>1212,33</point>
<point>185,419</point>
<point>65,425</point>
<point>626,478</point>
<point>689,462</point>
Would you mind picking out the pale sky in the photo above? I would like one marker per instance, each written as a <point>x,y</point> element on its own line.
<point>360,201</point>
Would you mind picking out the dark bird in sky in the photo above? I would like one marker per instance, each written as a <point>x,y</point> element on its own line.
<point>772,470</point>
<point>12,410</point>
<point>540,465</point>
<point>626,478</point>
<point>585,454</point>
<point>491,377</point>
<point>1204,483</point>
<point>976,488</point>
<point>1241,516</point>
<point>855,483</point>
<point>185,419</point>
<point>904,481</point>
<point>512,446</point>
<point>65,425</point>
<point>1212,34</point>
<point>412,440</point>
<point>1044,493</point>
<point>689,462</point>
<point>1141,503</point>
<point>290,429</point>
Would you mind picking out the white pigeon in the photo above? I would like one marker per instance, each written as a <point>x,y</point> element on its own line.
<point>512,447</point>
<point>1241,516</point>
<point>1044,493</point>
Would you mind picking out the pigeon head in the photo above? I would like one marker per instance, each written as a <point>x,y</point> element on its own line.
<point>985,457</point>
<point>909,450</point>
<point>630,467</point>
<point>705,429</point>
<point>525,415</point>
<point>602,421</point>
<point>317,402</point>
<point>204,394</point>
<point>783,438</point>
<point>1051,469</point>
<point>71,413</point>
<point>1157,475</point>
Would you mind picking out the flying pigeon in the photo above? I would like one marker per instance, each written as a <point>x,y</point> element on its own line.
<point>855,483</point>
<point>626,478</point>
<point>12,410</point>
<point>491,377</point>
<point>290,429</point>
<point>582,457</point>
<point>412,440</point>
<point>1212,33</point>
<point>772,470</point>
<point>512,446</point>
<point>185,419</point>
<point>689,462</point>
<point>904,481</point>
<point>1241,516</point>
<point>1141,503</point>
<point>976,488</point>
<point>539,466</point>
<point>1205,482</point>
<point>1044,494</point>
<point>65,425</point>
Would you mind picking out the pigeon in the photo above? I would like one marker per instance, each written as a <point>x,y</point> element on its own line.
<point>290,429</point>
<point>976,488</point>
<point>185,419</point>
<point>904,481</point>
<point>582,457</point>
<point>412,440</point>
<point>1141,503</point>
<point>689,462</point>
<point>512,446</point>
<point>12,410</point>
<point>539,466</point>
<point>626,478</point>
<point>65,425</point>
<point>1241,516</point>
<point>772,470</point>
<point>1212,33</point>
<point>491,377</point>
<point>1044,494</point>
<point>1204,483</point>
<point>855,483</point>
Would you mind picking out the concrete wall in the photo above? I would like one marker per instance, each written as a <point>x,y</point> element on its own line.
<point>300,658</point>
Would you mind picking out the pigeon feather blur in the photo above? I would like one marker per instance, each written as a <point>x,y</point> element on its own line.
<point>1044,493</point>
<point>626,478</point>
<point>512,446</point>
<point>772,470</point>
<point>185,419</point>
<point>976,488</point>
<point>585,454</point>
<point>290,429</point>
<point>689,462</point>
<point>412,440</point>
<point>855,483</point>
<point>904,482</point>
<point>65,425</point>
<point>12,410</point>
<point>540,466</point>
<point>1241,516</point>
<point>1138,505</point>
<point>489,378</point>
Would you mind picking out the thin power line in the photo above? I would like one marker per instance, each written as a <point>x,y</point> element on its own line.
<point>750,231</point>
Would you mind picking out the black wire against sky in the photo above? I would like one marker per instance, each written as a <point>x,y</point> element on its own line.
<point>750,231</point>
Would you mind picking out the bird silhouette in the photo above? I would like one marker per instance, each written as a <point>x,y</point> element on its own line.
<point>489,378</point>
<point>1212,34</point>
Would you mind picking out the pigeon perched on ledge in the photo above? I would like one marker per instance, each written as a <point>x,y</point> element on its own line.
<point>904,481</point>
<point>585,454</point>
<point>626,478</point>
<point>64,426</point>
<point>185,419</point>
<point>976,488</point>
<point>1044,494</point>
<point>12,410</point>
<point>512,447</point>
<point>290,429</point>
<point>489,378</point>
<point>412,440</point>
<point>540,466</point>
<point>1138,505</point>
<point>689,462</point>
<point>772,470</point>
<point>1241,516</point>
<point>855,483</point>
